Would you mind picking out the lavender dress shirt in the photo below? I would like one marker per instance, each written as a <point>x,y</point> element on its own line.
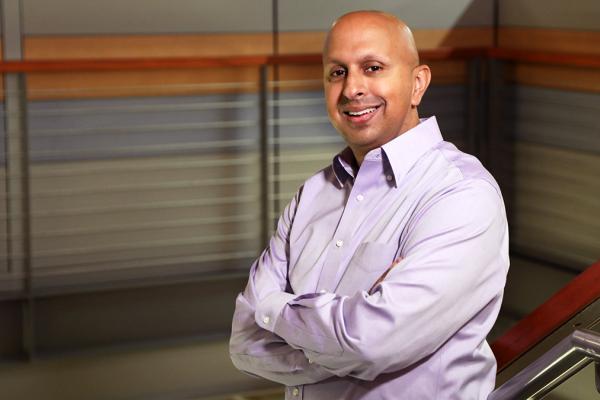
<point>310,317</point>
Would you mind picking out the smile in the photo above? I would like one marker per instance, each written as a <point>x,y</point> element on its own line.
<point>361,112</point>
<point>361,117</point>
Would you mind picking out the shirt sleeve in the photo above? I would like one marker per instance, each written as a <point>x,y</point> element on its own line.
<point>454,263</point>
<point>253,349</point>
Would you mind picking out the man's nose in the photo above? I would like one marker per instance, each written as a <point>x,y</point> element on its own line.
<point>354,86</point>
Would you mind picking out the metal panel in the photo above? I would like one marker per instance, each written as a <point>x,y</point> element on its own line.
<point>556,214</point>
<point>582,14</point>
<point>554,117</point>
<point>73,17</point>
<point>318,15</point>
<point>143,187</point>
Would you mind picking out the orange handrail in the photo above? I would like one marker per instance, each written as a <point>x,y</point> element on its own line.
<point>440,54</point>
<point>582,291</point>
<point>540,57</point>
<point>65,65</point>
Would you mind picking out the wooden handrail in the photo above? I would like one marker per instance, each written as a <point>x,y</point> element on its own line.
<point>582,291</point>
<point>539,57</point>
<point>440,54</point>
<point>203,62</point>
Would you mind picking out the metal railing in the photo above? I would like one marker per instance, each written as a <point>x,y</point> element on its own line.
<point>244,142</point>
<point>557,365</point>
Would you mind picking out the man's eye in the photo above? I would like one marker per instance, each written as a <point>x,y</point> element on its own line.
<point>373,68</point>
<point>338,73</point>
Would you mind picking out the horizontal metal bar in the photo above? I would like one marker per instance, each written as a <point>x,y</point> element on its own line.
<point>297,102</point>
<point>152,261</point>
<point>542,172</point>
<point>560,216</point>
<point>311,140</point>
<point>145,88</point>
<point>144,244</point>
<point>551,369</point>
<point>298,121</point>
<point>293,158</point>
<point>293,177</point>
<point>118,166</point>
<point>543,100</point>
<point>165,107</point>
<point>147,226</point>
<point>135,188</point>
<point>146,206</point>
<point>129,109</point>
<point>287,196</point>
<point>139,129</point>
<point>292,83</point>
<point>139,108</point>
<point>144,129</point>
<point>159,148</point>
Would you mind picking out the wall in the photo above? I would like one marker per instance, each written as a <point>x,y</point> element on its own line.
<point>73,318</point>
<point>90,136</point>
<point>551,137</point>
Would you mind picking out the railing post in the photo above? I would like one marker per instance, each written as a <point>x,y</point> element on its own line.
<point>597,375</point>
<point>475,111</point>
<point>265,155</point>
<point>498,147</point>
<point>17,170</point>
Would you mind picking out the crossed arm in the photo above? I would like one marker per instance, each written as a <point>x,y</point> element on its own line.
<point>418,306</point>
<point>258,351</point>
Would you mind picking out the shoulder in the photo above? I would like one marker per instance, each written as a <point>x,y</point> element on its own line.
<point>455,185</point>
<point>312,187</point>
<point>468,170</point>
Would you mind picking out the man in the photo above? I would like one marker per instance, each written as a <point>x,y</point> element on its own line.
<point>386,271</point>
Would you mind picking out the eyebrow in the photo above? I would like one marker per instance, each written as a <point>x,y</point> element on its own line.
<point>362,60</point>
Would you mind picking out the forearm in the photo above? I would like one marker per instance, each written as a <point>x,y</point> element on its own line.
<point>259,352</point>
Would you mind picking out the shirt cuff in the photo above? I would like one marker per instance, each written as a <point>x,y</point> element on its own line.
<point>269,309</point>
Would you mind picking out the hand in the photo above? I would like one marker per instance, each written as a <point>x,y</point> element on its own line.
<point>382,277</point>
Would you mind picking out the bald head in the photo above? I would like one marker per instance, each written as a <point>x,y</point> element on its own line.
<point>372,79</point>
<point>359,21</point>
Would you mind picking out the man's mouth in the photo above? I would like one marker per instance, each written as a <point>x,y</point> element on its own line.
<point>362,115</point>
<point>361,112</point>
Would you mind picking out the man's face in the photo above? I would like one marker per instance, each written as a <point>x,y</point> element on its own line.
<point>368,84</point>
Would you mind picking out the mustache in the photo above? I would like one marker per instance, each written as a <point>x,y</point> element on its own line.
<point>363,102</point>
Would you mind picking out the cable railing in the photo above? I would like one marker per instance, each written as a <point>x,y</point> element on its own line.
<point>552,343</point>
<point>147,164</point>
<point>572,299</point>
<point>132,182</point>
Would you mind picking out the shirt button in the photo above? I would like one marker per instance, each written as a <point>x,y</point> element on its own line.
<point>339,243</point>
<point>295,391</point>
<point>360,197</point>
<point>266,319</point>
<point>389,177</point>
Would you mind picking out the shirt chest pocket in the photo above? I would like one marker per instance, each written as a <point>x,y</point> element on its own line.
<point>369,262</point>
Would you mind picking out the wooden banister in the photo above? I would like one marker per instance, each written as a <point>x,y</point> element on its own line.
<point>439,54</point>
<point>538,57</point>
<point>582,291</point>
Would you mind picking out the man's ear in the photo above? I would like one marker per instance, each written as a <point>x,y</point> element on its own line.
<point>422,77</point>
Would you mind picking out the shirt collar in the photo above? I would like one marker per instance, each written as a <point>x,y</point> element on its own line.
<point>404,151</point>
<point>401,153</point>
<point>344,166</point>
